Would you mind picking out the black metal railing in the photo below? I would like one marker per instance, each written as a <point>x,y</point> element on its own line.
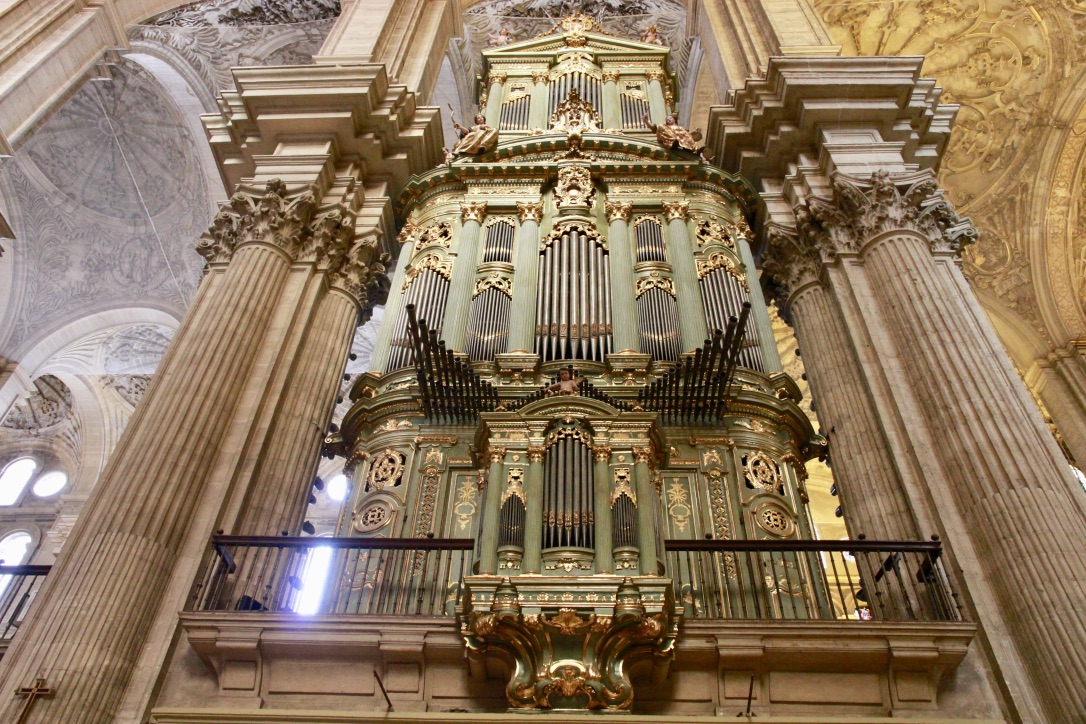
<point>811,580</point>
<point>412,576</point>
<point>19,586</point>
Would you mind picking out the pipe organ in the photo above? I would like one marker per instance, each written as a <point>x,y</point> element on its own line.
<point>568,477</point>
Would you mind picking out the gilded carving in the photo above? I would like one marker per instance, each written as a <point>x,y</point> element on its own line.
<point>439,234</point>
<point>575,115</point>
<point>678,504</point>
<point>433,262</point>
<point>676,210</point>
<point>656,74</point>
<point>536,453</point>
<point>622,486</point>
<point>762,472</point>
<point>653,281</point>
<point>709,231</point>
<point>530,211</point>
<point>473,210</point>
<point>610,76</point>
<point>618,210</point>
<point>720,260</point>
<point>514,485</point>
<point>574,187</point>
<point>498,78</point>
<point>466,505</point>
<point>493,281</point>
<point>386,471</point>
<point>541,76</point>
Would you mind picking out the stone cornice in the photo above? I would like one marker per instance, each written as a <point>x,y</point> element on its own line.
<point>772,120</point>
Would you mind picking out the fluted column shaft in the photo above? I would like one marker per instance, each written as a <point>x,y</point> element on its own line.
<point>612,108</point>
<point>874,501</point>
<point>455,326</point>
<point>538,117</point>
<point>646,518</point>
<point>488,539</point>
<point>692,325</point>
<point>1005,470</point>
<point>657,104</point>
<point>90,620</point>
<point>533,514</point>
<point>602,505</point>
<point>759,312</point>
<point>526,280</point>
<point>493,110</point>
<point>623,299</point>
<point>1064,394</point>
<point>279,493</point>
<point>379,360</point>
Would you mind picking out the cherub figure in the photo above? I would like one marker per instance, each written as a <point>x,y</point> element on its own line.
<point>497,40</point>
<point>480,138</point>
<point>567,384</point>
<point>674,137</point>
<point>651,35</point>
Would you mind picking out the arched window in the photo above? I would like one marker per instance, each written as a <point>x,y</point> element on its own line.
<point>337,487</point>
<point>14,547</point>
<point>49,484</point>
<point>14,479</point>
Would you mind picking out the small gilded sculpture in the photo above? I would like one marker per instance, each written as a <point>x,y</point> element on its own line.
<point>651,35</point>
<point>674,137</point>
<point>501,38</point>
<point>480,138</point>
<point>567,384</point>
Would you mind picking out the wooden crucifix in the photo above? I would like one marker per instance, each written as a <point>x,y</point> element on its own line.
<point>32,693</point>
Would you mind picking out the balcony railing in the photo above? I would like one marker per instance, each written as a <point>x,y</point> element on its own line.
<point>19,586</point>
<point>412,576</point>
<point>811,580</point>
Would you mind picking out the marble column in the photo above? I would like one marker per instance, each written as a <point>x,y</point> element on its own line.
<point>533,513</point>
<point>897,240</point>
<point>603,526</point>
<point>1064,394</point>
<point>493,111</point>
<point>623,300</point>
<point>526,278</point>
<point>90,621</point>
<point>538,116</point>
<point>657,104</point>
<point>692,325</point>
<point>612,104</point>
<point>646,515</point>
<point>455,325</point>
<point>488,542</point>
<point>864,471</point>
<point>379,358</point>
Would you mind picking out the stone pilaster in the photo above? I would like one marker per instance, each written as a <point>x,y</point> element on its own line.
<point>692,325</point>
<point>895,239</point>
<point>621,256</point>
<point>1064,394</point>
<point>88,625</point>
<point>526,283</point>
<point>865,473</point>
<point>455,326</point>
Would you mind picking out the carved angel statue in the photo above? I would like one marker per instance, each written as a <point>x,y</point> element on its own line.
<point>674,137</point>
<point>567,384</point>
<point>500,38</point>
<point>651,35</point>
<point>480,138</point>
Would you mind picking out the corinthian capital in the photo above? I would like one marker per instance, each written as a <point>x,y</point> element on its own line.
<point>790,262</point>
<point>473,210</point>
<point>676,210</point>
<point>359,268</point>
<point>272,216</point>
<point>860,210</point>
<point>530,211</point>
<point>618,210</point>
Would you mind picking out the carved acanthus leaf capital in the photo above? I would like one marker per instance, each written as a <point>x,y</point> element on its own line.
<point>861,210</point>
<point>610,76</point>
<point>676,210</point>
<point>273,216</point>
<point>530,211</point>
<point>359,268</point>
<point>541,76</point>
<point>473,210</point>
<point>498,78</point>
<point>656,74</point>
<point>618,210</point>
<point>790,262</point>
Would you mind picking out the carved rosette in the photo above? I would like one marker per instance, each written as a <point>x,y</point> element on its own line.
<point>570,659</point>
<point>530,211</point>
<point>473,210</point>
<point>618,210</point>
<point>676,210</point>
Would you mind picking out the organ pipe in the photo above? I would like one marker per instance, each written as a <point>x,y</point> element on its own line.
<point>574,305</point>
<point>428,292</point>
<point>568,494</point>
<point>723,296</point>
<point>658,324</point>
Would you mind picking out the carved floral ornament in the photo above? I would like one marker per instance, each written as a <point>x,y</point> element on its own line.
<point>676,210</point>
<point>618,210</point>
<point>530,211</point>
<point>430,261</point>
<point>295,223</point>
<point>473,210</point>
<point>653,281</point>
<point>494,281</point>
<point>859,212</point>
